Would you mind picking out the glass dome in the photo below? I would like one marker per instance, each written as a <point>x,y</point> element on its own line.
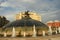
<point>25,21</point>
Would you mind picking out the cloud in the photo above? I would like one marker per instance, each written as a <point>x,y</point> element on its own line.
<point>52,15</point>
<point>29,1</point>
<point>47,8</point>
<point>4,4</point>
<point>10,15</point>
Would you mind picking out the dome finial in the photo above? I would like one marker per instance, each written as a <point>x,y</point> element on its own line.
<point>27,13</point>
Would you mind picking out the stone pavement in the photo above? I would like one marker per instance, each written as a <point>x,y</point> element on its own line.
<point>52,37</point>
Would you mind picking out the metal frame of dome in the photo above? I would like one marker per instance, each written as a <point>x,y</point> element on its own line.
<point>25,21</point>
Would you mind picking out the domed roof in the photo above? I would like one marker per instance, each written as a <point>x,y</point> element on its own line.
<point>25,21</point>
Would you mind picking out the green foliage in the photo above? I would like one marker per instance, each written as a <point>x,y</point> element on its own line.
<point>3,21</point>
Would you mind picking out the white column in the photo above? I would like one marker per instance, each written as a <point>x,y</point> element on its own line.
<point>43,33</point>
<point>56,31</point>
<point>50,30</point>
<point>59,29</point>
<point>13,32</point>
<point>24,34</point>
<point>34,31</point>
<point>5,34</point>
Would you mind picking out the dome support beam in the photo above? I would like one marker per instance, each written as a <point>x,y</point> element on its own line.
<point>43,32</point>
<point>56,31</point>
<point>50,30</point>
<point>59,29</point>
<point>24,34</point>
<point>5,35</point>
<point>34,31</point>
<point>13,32</point>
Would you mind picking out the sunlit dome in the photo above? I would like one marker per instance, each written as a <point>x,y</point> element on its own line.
<point>33,15</point>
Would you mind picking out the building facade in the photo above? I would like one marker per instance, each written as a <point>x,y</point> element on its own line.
<point>55,23</point>
<point>33,15</point>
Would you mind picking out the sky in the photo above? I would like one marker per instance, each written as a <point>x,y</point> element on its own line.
<point>48,9</point>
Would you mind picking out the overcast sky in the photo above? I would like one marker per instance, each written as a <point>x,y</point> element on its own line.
<point>48,9</point>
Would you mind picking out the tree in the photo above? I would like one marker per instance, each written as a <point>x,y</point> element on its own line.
<point>3,21</point>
